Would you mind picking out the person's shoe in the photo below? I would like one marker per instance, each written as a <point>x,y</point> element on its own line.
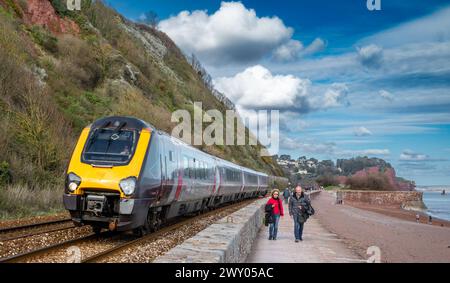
<point>296,240</point>
<point>274,238</point>
<point>270,238</point>
<point>301,239</point>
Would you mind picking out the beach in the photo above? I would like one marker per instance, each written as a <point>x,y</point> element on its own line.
<point>394,231</point>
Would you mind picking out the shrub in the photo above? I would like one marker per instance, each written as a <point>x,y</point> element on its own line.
<point>5,174</point>
<point>18,201</point>
<point>44,39</point>
<point>377,182</point>
<point>79,62</point>
<point>60,7</point>
<point>327,180</point>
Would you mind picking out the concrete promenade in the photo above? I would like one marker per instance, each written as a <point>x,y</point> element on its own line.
<point>318,245</point>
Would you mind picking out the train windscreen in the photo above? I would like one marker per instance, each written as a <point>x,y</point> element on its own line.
<point>110,146</point>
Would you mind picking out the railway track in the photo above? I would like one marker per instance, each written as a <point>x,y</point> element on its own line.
<point>28,230</point>
<point>97,257</point>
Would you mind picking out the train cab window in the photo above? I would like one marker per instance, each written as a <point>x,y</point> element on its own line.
<point>110,146</point>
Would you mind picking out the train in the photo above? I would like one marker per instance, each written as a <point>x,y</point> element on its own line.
<point>124,174</point>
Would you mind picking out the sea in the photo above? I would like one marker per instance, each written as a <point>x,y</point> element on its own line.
<point>438,204</point>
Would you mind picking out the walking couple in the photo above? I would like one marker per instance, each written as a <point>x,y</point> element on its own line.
<point>299,208</point>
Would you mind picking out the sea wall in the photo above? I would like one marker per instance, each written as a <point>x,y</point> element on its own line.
<point>410,200</point>
<point>229,240</point>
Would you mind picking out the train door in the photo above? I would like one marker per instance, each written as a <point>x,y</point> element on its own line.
<point>169,170</point>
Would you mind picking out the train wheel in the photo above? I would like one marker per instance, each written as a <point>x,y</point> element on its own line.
<point>139,232</point>
<point>146,228</point>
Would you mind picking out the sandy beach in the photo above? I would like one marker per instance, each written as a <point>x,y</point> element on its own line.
<point>394,231</point>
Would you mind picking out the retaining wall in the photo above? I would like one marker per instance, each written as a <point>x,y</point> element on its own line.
<point>229,240</point>
<point>411,199</point>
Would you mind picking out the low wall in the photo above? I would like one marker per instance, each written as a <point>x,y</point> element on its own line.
<point>229,240</point>
<point>407,200</point>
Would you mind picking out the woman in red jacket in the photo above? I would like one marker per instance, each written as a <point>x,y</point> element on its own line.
<point>277,211</point>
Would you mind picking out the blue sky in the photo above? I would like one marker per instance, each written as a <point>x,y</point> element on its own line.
<point>347,81</point>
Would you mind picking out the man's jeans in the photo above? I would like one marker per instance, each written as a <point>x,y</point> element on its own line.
<point>273,227</point>
<point>298,228</point>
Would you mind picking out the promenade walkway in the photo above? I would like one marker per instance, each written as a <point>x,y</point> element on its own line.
<point>318,245</point>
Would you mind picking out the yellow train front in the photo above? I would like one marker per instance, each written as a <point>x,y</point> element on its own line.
<point>103,173</point>
<point>126,175</point>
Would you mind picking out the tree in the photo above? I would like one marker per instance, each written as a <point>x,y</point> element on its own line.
<point>150,18</point>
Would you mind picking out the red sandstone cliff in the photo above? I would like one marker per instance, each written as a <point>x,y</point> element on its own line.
<point>390,174</point>
<point>42,13</point>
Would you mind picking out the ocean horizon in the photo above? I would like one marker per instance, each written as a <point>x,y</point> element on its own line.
<point>438,205</point>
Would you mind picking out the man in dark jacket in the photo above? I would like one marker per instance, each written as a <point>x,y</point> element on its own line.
<point>299,206</point>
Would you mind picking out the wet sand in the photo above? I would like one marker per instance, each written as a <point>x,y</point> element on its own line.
<point>398,236</point>
<point>401,214</point>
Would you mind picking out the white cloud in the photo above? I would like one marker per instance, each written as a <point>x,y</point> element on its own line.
<point>431,28</point>
<point>307,146</point>
<point>231,34</point>
<point>365,152</point>
<point>334,96</point>
<point>288,51</point>
<point>362,132</point>
<point>317,45</point>
<point>257,87</point>
<point>409,155</point>
<point>294,49</point>
<point>386,95</point>
<point>370,56</point>
<point>327,148</point>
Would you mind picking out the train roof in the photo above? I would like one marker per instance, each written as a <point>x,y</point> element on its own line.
<point>124,122</point>
<point>128,122</point>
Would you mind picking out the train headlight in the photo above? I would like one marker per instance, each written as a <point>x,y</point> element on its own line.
<point>128,185</point>
<point>73,181</point>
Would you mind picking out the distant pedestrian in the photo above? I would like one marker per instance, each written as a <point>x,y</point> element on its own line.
<point>417,217</point>
<point>430,219</point>
<point>286,194</point>
<point>277,212</point>
<point>300,209</point>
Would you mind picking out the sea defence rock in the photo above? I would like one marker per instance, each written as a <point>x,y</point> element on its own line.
<point>229,240</point>
<point>410,200</point>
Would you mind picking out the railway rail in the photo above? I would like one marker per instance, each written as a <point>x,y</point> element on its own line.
<point>28,230</point>
<point>26,256</point>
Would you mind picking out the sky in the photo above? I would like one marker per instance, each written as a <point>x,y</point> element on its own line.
<point>347,81</point>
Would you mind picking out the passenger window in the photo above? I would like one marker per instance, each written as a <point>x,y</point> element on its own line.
<point>171,155</point>
<point>191,168</point>
<point>204,170</point>
<point>185,166</point>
